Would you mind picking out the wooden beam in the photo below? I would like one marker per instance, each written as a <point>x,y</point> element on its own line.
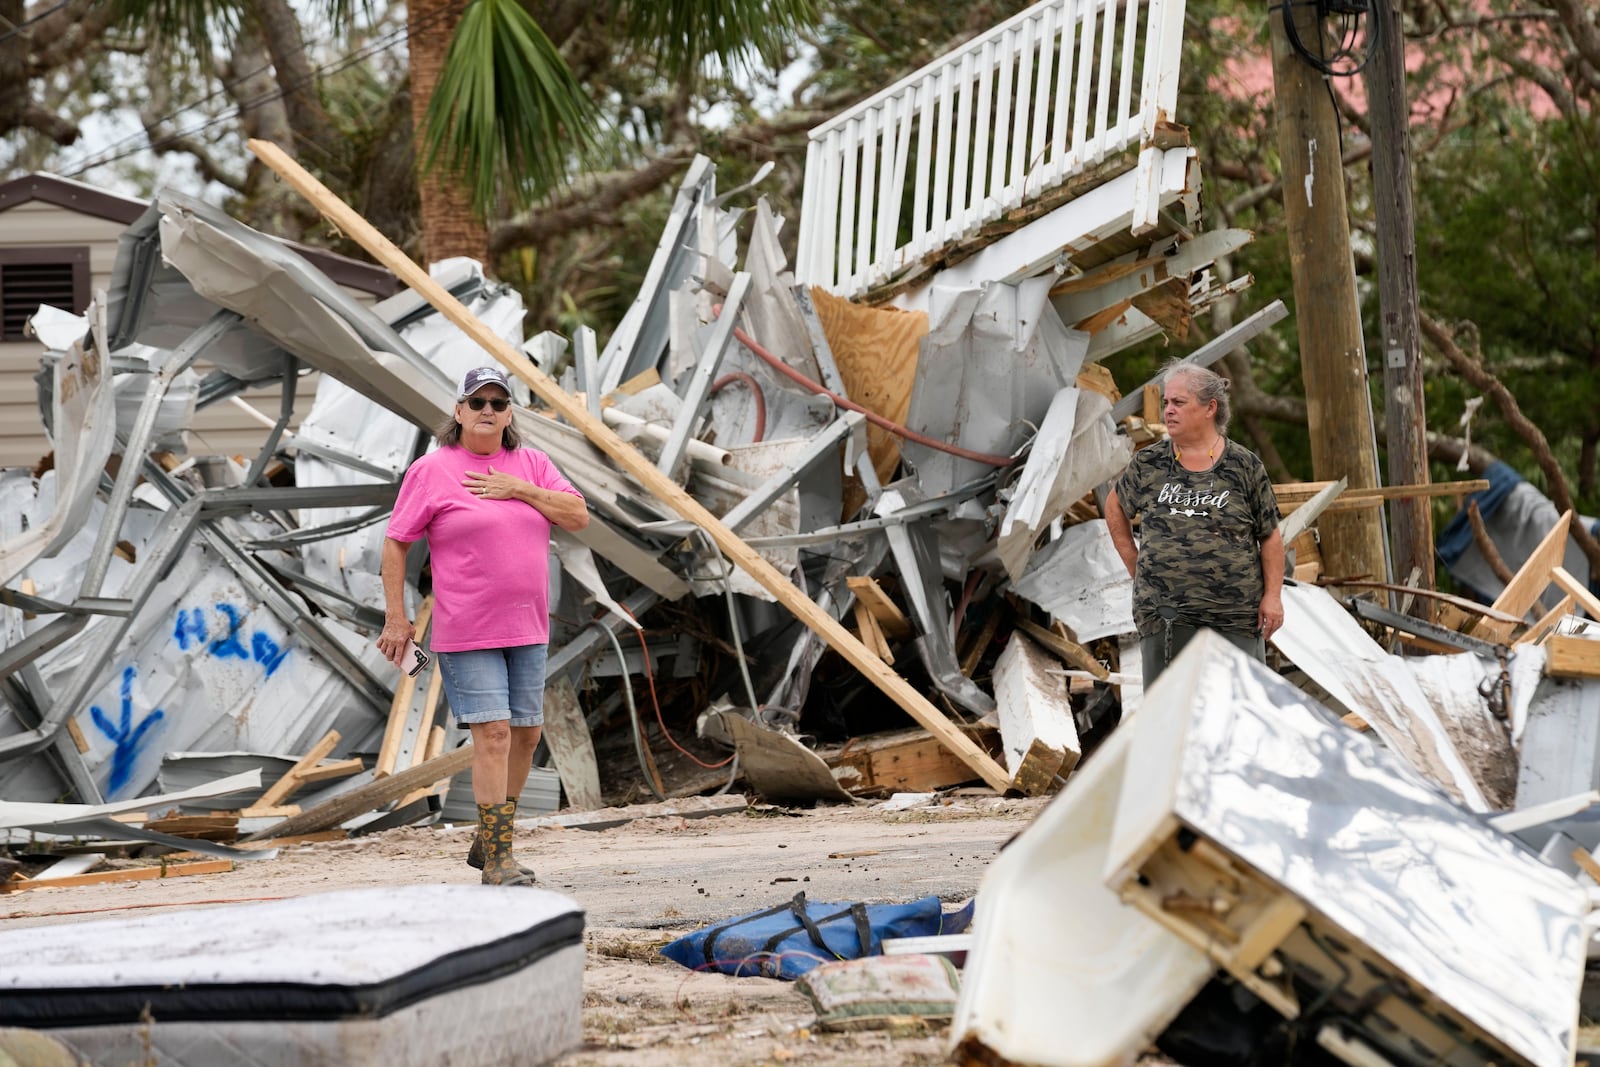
<point>1572,657</point>
<point>871,634</point>
<point>292,778</point>
<point>1577,590</point>
<point>136,874</point>
<point>430,708</point>
<point>358,229</point>
<point>906,761</point>
<point>892,620</point>
<point>322,772</point>
<point>1070,651</point>
<point>433,749</point>
<point>1548,623</point>
<point>394,731</point>
<point>1530,582</point>
<point>374,794</point>
<point>1293,494</point>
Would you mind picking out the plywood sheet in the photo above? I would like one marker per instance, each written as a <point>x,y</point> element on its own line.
<point>876,353</point>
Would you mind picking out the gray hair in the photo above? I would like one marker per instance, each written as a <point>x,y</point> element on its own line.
<point>449,433</point>
<point>1206,384</point>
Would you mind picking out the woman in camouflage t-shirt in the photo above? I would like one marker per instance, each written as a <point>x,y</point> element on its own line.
<point>1209,553</point>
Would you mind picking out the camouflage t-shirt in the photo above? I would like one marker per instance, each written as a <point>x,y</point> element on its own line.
<point>1199,537</point>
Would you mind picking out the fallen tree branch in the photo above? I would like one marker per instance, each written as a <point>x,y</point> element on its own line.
<point>1484,380</point>
<point>1485,543</point>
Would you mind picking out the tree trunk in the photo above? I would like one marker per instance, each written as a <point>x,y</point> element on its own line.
<point>449,225</point>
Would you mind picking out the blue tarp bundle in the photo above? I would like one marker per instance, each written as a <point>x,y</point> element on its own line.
<point>788,940</point>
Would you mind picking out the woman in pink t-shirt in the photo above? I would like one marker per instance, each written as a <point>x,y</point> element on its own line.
<point>486,506</point>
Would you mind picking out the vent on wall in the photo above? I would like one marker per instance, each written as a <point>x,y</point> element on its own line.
<point>33,276</point>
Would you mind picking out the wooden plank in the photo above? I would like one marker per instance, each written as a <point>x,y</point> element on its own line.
<point>1291,494</point>
<point>1572,657</point>
<point>1530,581</point>
<point>292,780</point>
<point>80,742</point>
<point>430,708</point>
<point>571,745</point>
<point>635,463</point>
<point>394,730</point>
<point>1070,651</point>
<point>374,794</point>
<point>323,772</point>
<point>261,811</point>
<point>871,635</point>
<point>980,644</point>
<point>906,761</point>
<point>1577,590</point>
<point>137,874</point>
<point>890,618</point>
<point>1547,623</point>
<point>1151,411</point>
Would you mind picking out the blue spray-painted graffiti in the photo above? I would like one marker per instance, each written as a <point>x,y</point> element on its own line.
<point>191,631</point>
<point>127,737</point>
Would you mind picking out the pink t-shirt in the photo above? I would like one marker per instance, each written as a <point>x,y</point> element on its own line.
<point>491,572</point>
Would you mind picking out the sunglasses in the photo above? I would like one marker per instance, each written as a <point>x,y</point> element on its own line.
<point>499,403</point>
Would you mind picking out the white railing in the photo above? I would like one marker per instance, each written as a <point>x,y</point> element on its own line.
<point>1006,117</point>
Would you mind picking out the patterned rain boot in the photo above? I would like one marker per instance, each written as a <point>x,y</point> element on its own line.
<point>499,866</point>
<point>476,854</point>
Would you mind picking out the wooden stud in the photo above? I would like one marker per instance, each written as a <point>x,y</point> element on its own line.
<point>871,634</point>
<point>1292,494</point>
<point>1581,857</point>
<point>1529,583</point>
<point>352,225</point>
<point>1548,623</point>
<point>80,742</point>
<point>322,772</point>
<point>429,751</point>
<point>394,731</point>
<point>261,811</point>
<point>137,874</point>
<point>430,708</point>
<point>890,618</point>
<point>292,778</point>
<point>1070,651</point>
<point>373,795</point>
<point>1577,590</point>
<point>1152,405</point>
<point>27,588</point>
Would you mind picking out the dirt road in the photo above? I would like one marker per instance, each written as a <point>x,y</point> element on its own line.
<point>641,884</point>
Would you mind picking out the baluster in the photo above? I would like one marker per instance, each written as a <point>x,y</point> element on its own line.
<point>1002,113</point>
<point>894,195</point>
<point>1019,124</point>
<point>1108,51</point>
<point>919,222</point>
<point>866,209</point>
<point>806,258</point>
<point>982,134</point>
<point>1130,34</point>
<point>960,200</point>
<point>940,228</point>
<point>850,192</point>
<point>1080,107</point>
<point>1039,146</point>
<point>828,230</point>
<point>1063,161</point>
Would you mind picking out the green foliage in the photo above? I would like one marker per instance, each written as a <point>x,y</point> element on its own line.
<point>506,107</point>
<point>682,33</point>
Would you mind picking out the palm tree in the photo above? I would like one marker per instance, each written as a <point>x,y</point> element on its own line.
<point>498,114</point>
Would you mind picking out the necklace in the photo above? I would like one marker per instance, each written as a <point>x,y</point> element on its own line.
<point>1210,454</point>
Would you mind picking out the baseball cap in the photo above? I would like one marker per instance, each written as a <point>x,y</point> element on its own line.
<point>478,377</point>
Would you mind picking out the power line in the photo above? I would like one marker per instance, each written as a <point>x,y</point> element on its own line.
<point>25,23</point>
<point>374,47</point>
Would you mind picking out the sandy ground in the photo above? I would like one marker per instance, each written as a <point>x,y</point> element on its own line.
<point>640,885</point>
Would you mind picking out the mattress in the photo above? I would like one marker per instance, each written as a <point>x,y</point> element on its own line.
<point>395,976</point>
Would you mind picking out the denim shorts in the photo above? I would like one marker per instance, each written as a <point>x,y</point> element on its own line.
<point>495,684</point>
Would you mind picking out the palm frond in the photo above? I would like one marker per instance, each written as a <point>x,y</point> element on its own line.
<point>192,22</point>
<point>684,32</point>
<point>506,106</point>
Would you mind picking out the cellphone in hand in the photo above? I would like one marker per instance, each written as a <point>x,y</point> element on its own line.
<point>413,659</point>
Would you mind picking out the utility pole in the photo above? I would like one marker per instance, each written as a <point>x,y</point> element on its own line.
<point>1405,418</point>
<point>1332,355</point>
